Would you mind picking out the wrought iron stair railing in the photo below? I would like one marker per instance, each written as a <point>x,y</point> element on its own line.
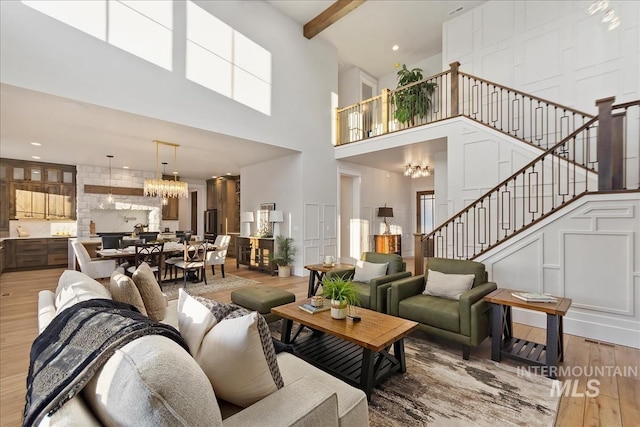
<point>549,182</point>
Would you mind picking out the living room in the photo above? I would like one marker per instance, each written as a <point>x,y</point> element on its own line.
<point>86,69</point>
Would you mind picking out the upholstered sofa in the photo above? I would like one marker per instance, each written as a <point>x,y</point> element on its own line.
<point>458,315</point>
<point>153,381</point>
<point>372,291</point>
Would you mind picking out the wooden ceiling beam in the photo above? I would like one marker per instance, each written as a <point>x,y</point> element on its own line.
<point>329,16</point>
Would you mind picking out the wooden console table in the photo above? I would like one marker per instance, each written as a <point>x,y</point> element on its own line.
<point>504,344</point>
<point>255,252</point>
<point>388,243</point>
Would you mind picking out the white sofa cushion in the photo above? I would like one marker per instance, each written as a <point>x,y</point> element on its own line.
<point>236,353</point>
<point>365,271</point>
<point>74,286</point>
<point>124,290</point>
<point>449,286</point>
<point>152,296</point>
<point>152,381</point>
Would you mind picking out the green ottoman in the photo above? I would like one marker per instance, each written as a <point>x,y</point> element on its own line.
<point>262,299</point>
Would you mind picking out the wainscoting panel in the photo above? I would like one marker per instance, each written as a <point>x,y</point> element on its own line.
<point>330,221</point>
<point>520,267</point>
<point>311,221</point>
<point>476,174</point>
<point>311,256</point>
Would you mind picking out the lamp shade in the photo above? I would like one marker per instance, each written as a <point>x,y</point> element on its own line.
<point>276,216</point>
<point>385,212</point>
<point>246,216</point>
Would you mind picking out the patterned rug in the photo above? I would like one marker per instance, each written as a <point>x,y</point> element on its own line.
<point>214,283</point>
<point>441,389</point>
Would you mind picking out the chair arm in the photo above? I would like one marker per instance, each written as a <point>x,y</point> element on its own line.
<point>475,294</point>
<point>378,301</point>
<point>403,288</point>
<point>305,402</point>
<point>346,273</point>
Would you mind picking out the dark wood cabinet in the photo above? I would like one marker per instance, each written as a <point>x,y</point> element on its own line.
<point>388,243</point>
<point>256,253</point>
<point>57,252</point>
<point>31,253</point>
<point>223,194</point>
<point>36,190</point>
<point>9,254</point>
<point>35,253</point>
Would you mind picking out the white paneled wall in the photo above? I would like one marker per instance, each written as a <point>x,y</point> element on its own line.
<point>589,252</point>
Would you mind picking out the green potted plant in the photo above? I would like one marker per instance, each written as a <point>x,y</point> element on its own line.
<point>284,255</point>
<point>342,292</point>
<point>415,100</point>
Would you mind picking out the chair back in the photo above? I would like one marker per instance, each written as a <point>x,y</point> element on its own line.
<point>148,236</point>
<point>219,254</point>
<point>195,251</point>
<point>458,266</point>
<point>151,253</point>
<point>82,255</point>
<point>396,264</point>
<point>111,242</point>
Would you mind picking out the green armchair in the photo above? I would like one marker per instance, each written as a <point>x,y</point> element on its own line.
<point>373,295</point>
<point>465,321</point>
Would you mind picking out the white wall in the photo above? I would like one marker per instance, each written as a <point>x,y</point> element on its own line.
<point>551,49</point>
<point>350,86</point>
<point>590,253</point>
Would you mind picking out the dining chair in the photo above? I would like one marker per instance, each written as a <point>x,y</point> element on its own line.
<point>151,253</point>
<point>194,256</point>
<point>218,255</point>
<point>111,242</point>
<point>96,269</point>
<point>169,263</point>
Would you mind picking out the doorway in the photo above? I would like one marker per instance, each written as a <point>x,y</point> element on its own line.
<point>349,237</point>
<point>194,211</point>
<point>425,211</point>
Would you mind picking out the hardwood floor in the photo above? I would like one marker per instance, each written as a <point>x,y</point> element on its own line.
<point>617,403</point>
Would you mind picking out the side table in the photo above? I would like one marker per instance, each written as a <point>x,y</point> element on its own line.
<point>317,272</point>
<point>504,344</point>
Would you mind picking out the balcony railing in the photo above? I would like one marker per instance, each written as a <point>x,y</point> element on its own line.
<point>531,119</point>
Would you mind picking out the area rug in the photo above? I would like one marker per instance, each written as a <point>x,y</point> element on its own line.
<point>439,388</point>
<point>214,284</point>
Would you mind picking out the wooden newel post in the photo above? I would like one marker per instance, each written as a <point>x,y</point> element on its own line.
<point>454,88</point>
<point>605,146</point>
<point>418,255</point>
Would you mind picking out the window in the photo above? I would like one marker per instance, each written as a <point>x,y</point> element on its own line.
<point>425,211</point>
<point>227,62</point>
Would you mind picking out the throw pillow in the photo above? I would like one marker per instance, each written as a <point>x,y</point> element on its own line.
<point>233,346</point>
<point>74,286</point>
<point>124,290</point>
<point>152,296</point>
<point>449,286</point>
<point>365,271</point>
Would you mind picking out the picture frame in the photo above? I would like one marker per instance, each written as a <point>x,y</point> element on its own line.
<point>265,228</point>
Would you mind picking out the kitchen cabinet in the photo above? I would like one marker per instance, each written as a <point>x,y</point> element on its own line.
<point>256,253</point>
<point>35,253</point>
<point>36,190</point>
<point>223,194</point>
<point>388,243</point>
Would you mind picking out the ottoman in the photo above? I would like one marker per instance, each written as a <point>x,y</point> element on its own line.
<point>262,299</point>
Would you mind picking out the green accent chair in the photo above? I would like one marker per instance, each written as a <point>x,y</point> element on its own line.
<point>467,321</point>
<point>373,295</point>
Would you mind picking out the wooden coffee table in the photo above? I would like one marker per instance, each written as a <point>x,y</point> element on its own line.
<point>356,352</point>
<point>504,344</point>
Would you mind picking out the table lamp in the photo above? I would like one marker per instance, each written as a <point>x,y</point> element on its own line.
<point>247,218</point>
<point>276,217</point>
<point>385,212</point>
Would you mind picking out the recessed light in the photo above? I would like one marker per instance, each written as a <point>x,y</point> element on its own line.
<point>37,144</point>
<point>125,167</point>
<point>214,176</point>
<point>228,173</point>
<point>35,157</point>
<point>395,47</point>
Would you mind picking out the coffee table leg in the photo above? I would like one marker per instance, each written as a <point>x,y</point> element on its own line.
<point>366,375</point>
<point>285,332</point>
<point>496,332</point>
<point>552,344</point>
<point>398,350</point>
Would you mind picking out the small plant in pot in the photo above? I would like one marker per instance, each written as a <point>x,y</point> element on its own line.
<point>342,292</point>
<point>284,255</point>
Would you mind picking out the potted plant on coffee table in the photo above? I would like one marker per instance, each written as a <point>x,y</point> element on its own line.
<point>342,293</point>
<point>284,255</point>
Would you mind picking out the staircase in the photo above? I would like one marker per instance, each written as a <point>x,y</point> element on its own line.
<point>580,154</point>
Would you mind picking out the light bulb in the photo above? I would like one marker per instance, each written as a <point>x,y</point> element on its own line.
<point>615,23</point>
<point>609,15</point>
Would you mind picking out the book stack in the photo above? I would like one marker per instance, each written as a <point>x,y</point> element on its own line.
<point>534,297</point>
<point>313,309</point>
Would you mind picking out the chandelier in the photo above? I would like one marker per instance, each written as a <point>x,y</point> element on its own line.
<point>163,188</point>
<point>417,171</point>
<point>608,14</point>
